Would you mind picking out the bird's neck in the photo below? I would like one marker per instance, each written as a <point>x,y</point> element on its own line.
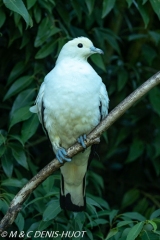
<point>71,58</point>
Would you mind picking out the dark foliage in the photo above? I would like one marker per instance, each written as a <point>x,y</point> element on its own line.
<point>123,184</point>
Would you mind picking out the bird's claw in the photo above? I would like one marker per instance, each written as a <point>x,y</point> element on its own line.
<point>61,155</point>
<point>81,140</point>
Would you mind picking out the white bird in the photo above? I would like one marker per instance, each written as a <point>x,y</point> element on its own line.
<point>71,101</point>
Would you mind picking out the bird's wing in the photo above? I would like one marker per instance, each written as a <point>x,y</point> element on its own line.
<point>103,108</point>
<point>104,101</point>
<point>37,108</point>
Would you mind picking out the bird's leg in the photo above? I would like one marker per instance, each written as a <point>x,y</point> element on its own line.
<point>59,151</point>
<point>61,155</point>
<point>81,140</point>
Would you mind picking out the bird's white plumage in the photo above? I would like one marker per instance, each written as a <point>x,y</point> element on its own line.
<point>71,95</point>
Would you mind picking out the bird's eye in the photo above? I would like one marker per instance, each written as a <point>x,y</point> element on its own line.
<point>80,45</point>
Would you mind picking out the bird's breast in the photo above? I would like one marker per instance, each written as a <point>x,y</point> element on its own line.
<point>71,106</point>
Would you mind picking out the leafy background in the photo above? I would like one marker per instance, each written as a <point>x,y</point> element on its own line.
<point>123,182</point>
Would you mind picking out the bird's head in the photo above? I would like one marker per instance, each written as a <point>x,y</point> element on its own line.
<point>79,48</point>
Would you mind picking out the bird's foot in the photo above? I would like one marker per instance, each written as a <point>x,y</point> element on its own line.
<point>61,155</point>
<point>81,140</point>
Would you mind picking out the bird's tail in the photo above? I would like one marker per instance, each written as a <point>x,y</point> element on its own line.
<point>73,180</point>
<point>72,197</point>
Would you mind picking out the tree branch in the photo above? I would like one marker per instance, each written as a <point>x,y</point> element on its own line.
<point>92,138</point>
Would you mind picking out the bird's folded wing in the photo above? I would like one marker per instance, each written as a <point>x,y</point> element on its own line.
<point>104,100</point>
<point>37,108</point>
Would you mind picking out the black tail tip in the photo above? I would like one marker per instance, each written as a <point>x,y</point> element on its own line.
<point>66,204</point>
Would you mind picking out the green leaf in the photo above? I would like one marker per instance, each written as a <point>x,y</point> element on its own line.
<point>24,98</point>
<point>144,1</point>
<point>129,3</point>
<point>90,201</point>
<point>100,201</point>
<point>45,30</point>
<point>90,5</point>
<point>14,36</point>
<point>34,200</point>
<point>16,137</point>
<point>92,209</point>
<point>112,215</point>
<point>20,115</point>
<point>20,27</point>
<point>17,18</point>
<point>155,36</point>
<point>2,18</point>
<point>154,225</point>
<point>103,213</point>
<point>143,11</point>
<point>61,42</point>
<point>133,37</point>
<point>130,197</point>
<point>90,220</point>
<point>136,150</point>
<point>32,228</point>
<point>134,215</point>
<point>100,221</point>
<point>142,205</point>
<point>30,3</point>
<point>47,5</point>
<point>2,139</point>
<point>149,54</point>
<point>19,7</point>
<point>18,86</point>
<point>99,234</point>
<point>37,13</point>
<point>122,78</point>
<point>135,231</point>
<point>156,7</point>
<point>44,225</point>
<point>7,162</point>
<point>154,97</point>
<point>155,214</point>
<point>64,14</point>
<point>17,70</point>
<point>46,49</point>
<point>3,206</point>
<point>158,233</point>
<point>112,233</point>
<point>96,178</point>
<point>29,128</point>
<point>20,221</point>
<point>25,40</point>
<point>79,220</point>
<point>98,61</point>
<point>89,233</point>
<point>13,182</point>
<point>48,183</point>
<point>113,42</point>
<point>19,155</point>
<point>52,210</point>
<point>124,223</point>
<point>2,150</point>
<point>97,222</point>
<point>108,5</point>
<point>77,9</point>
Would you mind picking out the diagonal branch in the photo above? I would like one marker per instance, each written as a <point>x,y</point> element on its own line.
<point>92,138</point>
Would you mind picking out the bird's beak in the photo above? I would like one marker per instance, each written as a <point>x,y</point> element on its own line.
<point>96,50</point>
